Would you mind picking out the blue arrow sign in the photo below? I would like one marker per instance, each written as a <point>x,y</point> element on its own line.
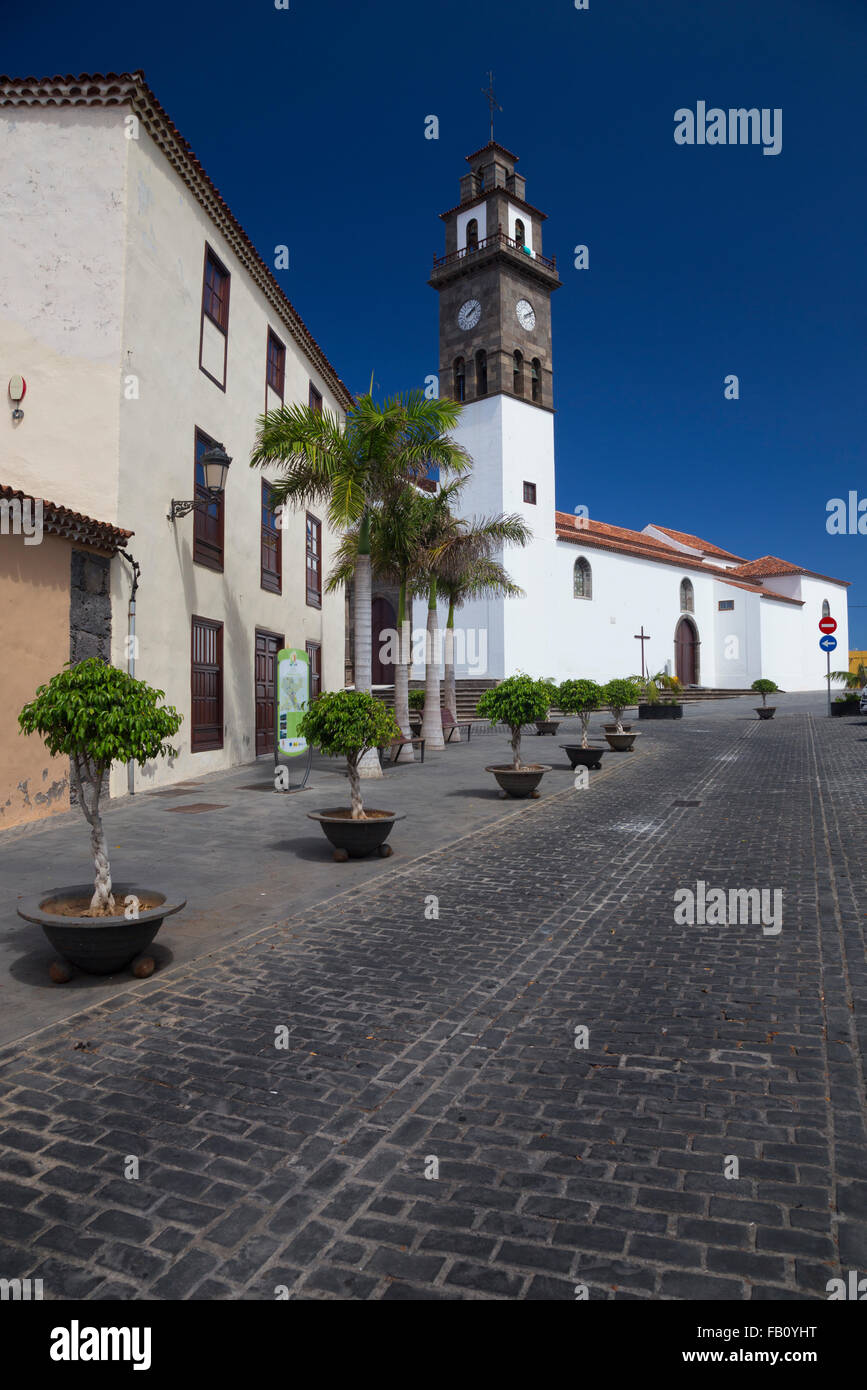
<point>827,643</point>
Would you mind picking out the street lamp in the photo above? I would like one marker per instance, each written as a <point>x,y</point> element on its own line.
<point>215,466</point>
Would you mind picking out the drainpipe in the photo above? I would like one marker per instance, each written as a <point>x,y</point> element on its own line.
<point>130,647</point>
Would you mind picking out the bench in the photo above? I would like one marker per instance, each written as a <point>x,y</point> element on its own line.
<point>450,724</point>
<point>395,746</point>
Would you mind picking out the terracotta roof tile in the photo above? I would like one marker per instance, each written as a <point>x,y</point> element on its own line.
<point>131,89</point>
<point>705,546</point>
<point>770,565</point>
<point>75,526</point>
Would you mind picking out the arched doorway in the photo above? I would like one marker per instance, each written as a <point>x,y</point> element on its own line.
<point>686,646</point>
<point>383,623</point>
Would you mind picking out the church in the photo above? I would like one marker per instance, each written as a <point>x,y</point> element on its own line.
<point>598,596</point>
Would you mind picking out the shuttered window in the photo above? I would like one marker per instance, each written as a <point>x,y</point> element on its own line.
<point>271,546</point>
<point>314,562</point>
<point>206,718</point>
<point>208,517</point>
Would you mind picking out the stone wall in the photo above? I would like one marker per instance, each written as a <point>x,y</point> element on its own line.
<point>89,606</point>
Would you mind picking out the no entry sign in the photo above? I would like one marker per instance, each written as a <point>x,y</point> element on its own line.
<point>827,624</point>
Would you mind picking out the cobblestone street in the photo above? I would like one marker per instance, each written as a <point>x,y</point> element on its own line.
<point>413,1037</point>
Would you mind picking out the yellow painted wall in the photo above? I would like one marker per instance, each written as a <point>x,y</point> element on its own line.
<point>857,659</point>
<point>34,632</point>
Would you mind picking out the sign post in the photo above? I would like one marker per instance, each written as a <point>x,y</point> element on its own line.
<point>293,693</point>
<point>828,643</point>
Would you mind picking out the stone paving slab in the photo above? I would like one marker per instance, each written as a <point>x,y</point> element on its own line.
<point>415,1042</point>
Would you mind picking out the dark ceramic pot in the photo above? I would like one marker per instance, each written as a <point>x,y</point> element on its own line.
<point>521,783</point>
<point>612,728</point>
<point>766,711</point>
<point>839,708</point>
<point>583,757</point>
<point>547,726</point>
<point>663,710</point>
<point>355,839</point>
<point>621,743</point>
<point>99,945</point>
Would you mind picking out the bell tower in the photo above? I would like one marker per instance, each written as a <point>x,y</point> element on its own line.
<point>495,288</point>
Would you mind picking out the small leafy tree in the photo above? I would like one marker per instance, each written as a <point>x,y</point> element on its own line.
<point>581,698</point>
<point>617,695</point>
<point>97,715</point>
<point>349,723</point>
<point>416,699</point>
<point>515,702</point>
<point>764,688</point>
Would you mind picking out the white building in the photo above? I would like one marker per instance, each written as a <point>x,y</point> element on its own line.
<point>714,619</point>
<point>147,328</point>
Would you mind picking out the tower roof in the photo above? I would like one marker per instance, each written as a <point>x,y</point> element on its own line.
<point>493,145</point>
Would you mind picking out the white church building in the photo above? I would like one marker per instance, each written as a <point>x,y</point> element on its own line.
<point>713,618</point>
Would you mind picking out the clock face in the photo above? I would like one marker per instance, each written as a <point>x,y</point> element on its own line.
<point>469,314</point>
<point>526,314</point>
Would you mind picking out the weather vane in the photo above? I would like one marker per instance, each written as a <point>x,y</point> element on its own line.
<point>492,101</point>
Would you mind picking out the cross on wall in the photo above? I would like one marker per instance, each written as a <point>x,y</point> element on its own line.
<point>642,637</point>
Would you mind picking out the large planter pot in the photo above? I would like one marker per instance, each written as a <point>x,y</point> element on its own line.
<point>843,707</point>
<point>766,711</point>
<point>583,757</point>
<point>662,710</point>
<point>415,726</point>
<point>612,728</point>
<point>99,945</point>
<point>521,782</point>
<point>547,726</point>
<point>355,839</point>
<point>621,743</point>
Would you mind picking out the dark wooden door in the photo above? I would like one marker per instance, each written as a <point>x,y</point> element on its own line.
<point>686,652</point>
<point>314,657</point>
<point>383,621</point>
<point>268,645</point>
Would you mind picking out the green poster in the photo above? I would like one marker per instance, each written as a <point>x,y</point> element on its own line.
<point>293,690</point>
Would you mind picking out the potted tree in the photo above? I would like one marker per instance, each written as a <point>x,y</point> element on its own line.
<point>617,695</point>
<point>660,700</point>
<point>581,697</point>
<point>416,709</point>
<point>849,701</point>
<point>765,688</point>
<point>548,725</point>
<point>517,701</point>
<point>97,715</point>
<point>349,723</point>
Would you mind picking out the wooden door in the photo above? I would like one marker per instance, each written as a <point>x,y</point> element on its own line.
<point>268,645</point>
<point>314,657</point>
<point>686,652</point>
<point>383,621</point>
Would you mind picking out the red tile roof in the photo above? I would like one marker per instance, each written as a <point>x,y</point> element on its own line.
<point>770,565</point>
<point>622,541</point>
<point>131,89</point>
<point>704,546</point>
<point>62,521</point>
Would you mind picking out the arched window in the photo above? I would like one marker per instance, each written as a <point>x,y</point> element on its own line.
<point>518,374</point>
<point>520,235</point>
<point>472,235</point>
<point>582,579</point>
<point>826,608</point>
<point>687,596</point>
<point>536,379</point>
<point>481,373</point>
<point>460,391</point>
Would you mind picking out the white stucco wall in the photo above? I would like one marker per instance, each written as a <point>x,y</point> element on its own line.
<point>166,235</point>
<point>480,213</point>
<point>62,178</point>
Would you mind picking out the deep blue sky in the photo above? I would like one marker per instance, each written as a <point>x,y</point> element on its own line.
<point>704,261</point>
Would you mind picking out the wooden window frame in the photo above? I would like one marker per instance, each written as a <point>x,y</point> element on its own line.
<point>311,647</point>
<point>210,554</point>
<point>222,327</point>
<point>271,580</point>
<point>314,398</point>
<point>725,605</point>
<point>214,742</point>
<point>279,390</point>
<point>313,596</point>
<point>530,494</point>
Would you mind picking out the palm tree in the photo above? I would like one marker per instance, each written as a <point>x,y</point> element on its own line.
<point>395,549</point>
<point>480,578</point>
<point>351,466</point>
<point>453,545</point>
<point>852,680</point>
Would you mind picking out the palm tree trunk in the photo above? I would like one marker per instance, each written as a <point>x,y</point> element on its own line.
<point>369,766</point>
<point>432,723</point>
<point>401,677</point>
<point>450,698</point>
